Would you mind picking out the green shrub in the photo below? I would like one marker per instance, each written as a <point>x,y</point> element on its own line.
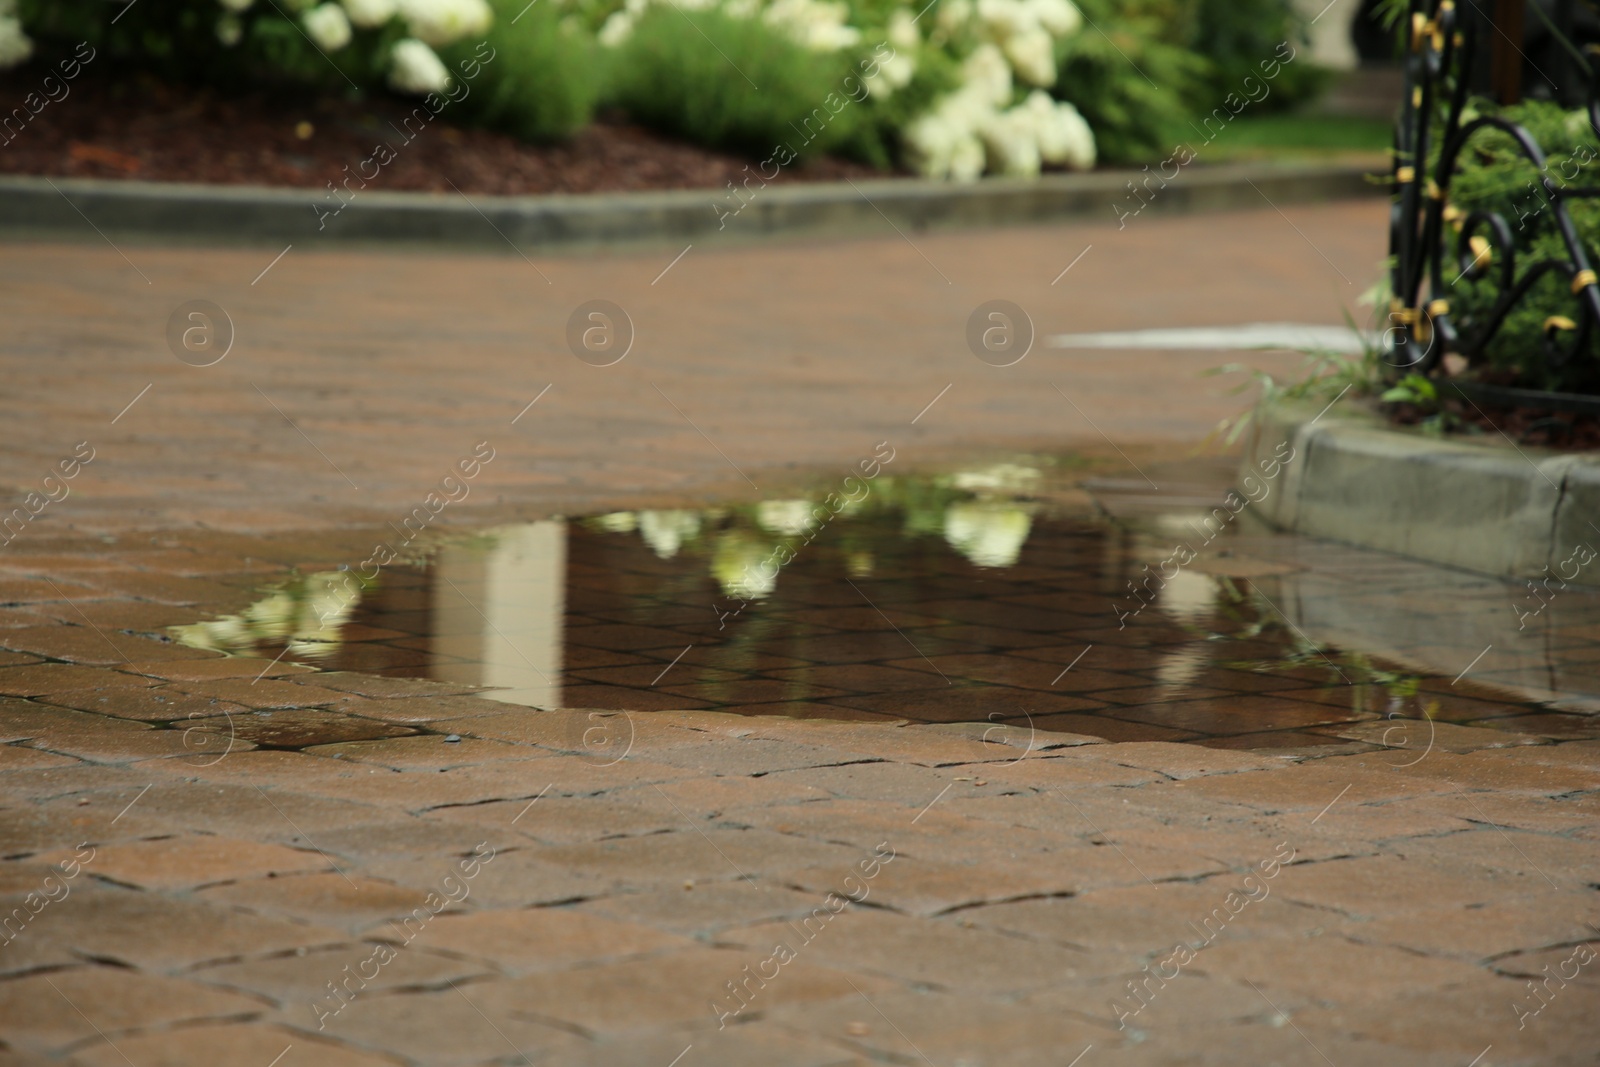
<point>178,40</point>
<point>1494,176</point>
<point>1130,81</point>
<point>676,73</point>
<point>1237,35</point>
<point>543,81</point>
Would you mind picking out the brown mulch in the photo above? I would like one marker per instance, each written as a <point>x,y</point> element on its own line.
<point>130,126</point>
<point>1565,430</point>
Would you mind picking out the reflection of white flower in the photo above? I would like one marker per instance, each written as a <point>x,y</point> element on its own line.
<point>370,13</point>
<point>666,531</point>
<point>413,68</point>
<point>230,31</point>
<point>618,522</point>
<point>1005,477</point>
<point>331,597</point>
<point>442,22</point>
<point>785,517</point>
<point>1188,595</point>
<point>328,26</point>
<point>990,533</point>
<point>15,46</point>
<point>743,566</point>
<point>236,6</point>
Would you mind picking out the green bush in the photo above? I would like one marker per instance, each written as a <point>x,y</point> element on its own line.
<point>1130,81</point>
<point>542,83</point>
<point>1235,36</point>
<point>1494,176</point>
<point>676,73</point>
<point>178,40</point>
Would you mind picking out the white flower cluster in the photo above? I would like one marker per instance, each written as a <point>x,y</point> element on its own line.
<point>820,25</point>
<point>414,67</point>
<point>977,128</point>
<point>15,47</point>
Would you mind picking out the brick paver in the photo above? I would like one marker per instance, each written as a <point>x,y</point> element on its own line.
<point>211,860</point>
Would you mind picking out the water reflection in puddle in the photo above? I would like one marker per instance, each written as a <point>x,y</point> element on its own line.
<point>961,597</point>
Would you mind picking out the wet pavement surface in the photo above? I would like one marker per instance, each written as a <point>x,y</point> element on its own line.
<point>960,596</point>
<point>887,804</point>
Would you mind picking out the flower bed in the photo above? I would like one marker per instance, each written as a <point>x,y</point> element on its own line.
<point>948,89</point>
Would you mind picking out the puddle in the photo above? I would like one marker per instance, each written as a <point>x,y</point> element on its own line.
<point>969,596</point>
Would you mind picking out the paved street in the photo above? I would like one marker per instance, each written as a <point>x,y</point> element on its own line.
<point>241,860</point>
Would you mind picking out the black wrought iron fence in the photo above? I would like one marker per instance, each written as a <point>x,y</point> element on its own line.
<point>1459,275</point>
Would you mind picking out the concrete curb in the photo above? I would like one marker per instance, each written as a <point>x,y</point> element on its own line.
<point>1478,507</point>
<point>244,214</point>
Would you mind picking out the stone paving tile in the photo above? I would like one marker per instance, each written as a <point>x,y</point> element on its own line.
<point>545,939</point>
<point>211,1045</point>
<point>701,910</point>
<point>351,902</point>
<point>156,704</point>
<point>1481,931</point>
<point>1368,886</point>
<point>54,1011</point>
<point>298,982</point>
<point>428,753</point>
<point>679,987</point>
<point>735,1046</point>
<point>91,646</point>
<point>446,1027</point>
<point>1144,921</point>
<point>1323,969</point>
<point>156,933</point>
<point>937,955</point>
<point>1463,1022</point>
<point>932,1026</point>
<point>41,678</point>
<point>190,862</point>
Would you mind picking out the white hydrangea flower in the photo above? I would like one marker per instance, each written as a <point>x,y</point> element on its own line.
<point>1005,18</point>
<point>1033,56</point>
<point>1012,143</point>
<point>819,25</point>
<point>236,6</point>
<point>967,159</point>
<point>230,31</point>
<point>328,26</point>
<point>617,28</point>
<point>413,68</point>
<point>742,9</point>
<point>896,72</point>
<point>987,75</point>
<point>1081,151</point>
<point>1061,17</point>
<point>369,14</point>
<point>15,46</point>
<point>903,30</point>
<point>953,14</point>
<point>442,22</point>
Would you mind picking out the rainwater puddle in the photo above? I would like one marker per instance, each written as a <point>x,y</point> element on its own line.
<point>966,596</point>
